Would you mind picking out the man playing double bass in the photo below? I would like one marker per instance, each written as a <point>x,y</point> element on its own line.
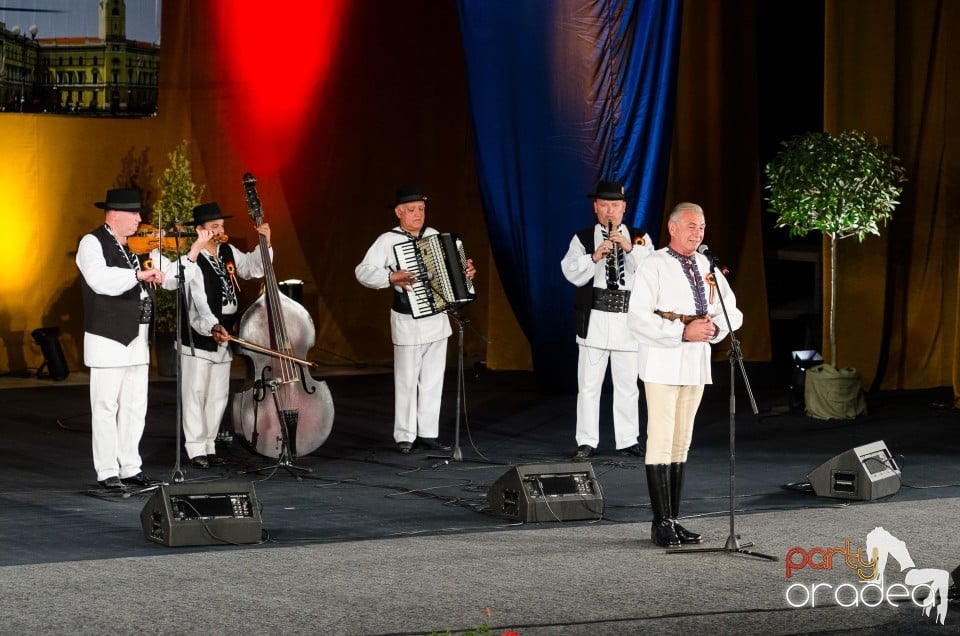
<point>212,306</point>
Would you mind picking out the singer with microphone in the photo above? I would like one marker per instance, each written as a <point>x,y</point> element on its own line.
<point>602,261</point>
<point>676,314</point>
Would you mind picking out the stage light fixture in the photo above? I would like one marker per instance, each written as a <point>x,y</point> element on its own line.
<point>48,338</point>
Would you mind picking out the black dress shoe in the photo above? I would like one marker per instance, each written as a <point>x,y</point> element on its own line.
<point>432,443</point>
<point>140,480</point>
<point>583,452</point>
<point>111,483</point>
<point>215,460</point>
<point>404,447</point>
<point>634,450</point>
<point>200,461</point>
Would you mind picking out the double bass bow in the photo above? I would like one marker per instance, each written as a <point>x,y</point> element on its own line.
<point>283,411</point>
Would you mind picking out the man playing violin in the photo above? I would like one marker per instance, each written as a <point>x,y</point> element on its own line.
<point>118,289</point>
<point>212,311</point>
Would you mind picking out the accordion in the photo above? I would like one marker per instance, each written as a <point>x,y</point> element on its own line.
<point>440,267</point>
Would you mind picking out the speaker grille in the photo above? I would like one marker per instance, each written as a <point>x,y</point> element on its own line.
<point>547,492</point>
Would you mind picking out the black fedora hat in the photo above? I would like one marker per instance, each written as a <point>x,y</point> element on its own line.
<point>609,191</point>
<point>208,212</point>
<point>123,199</point>
<point>407,194</point>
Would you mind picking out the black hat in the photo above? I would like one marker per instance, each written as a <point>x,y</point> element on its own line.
<point>408,193</point>
<point>124,199</point>
<point>609,191</point>
<point>208,212</point>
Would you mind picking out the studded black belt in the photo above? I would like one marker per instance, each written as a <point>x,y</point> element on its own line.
<point>615,301</point>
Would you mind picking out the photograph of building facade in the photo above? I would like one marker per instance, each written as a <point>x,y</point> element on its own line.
<point>84,75</point>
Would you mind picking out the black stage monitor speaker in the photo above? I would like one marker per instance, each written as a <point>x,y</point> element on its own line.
<point>865,473</point>
<point>209,513</point>
<point>547,492</point>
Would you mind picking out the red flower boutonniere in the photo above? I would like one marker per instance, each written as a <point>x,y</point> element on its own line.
<point>232,272</point>
<point>712,282</point>
<point>639,240</point>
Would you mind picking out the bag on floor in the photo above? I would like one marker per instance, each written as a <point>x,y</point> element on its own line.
<point>833,394</point>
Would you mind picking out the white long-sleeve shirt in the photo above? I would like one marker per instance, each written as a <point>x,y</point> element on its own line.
<point>99,351</point>
<point>607,330</point>
<point>661,284</point>
<point>202,319</point>
<point>374,272</point>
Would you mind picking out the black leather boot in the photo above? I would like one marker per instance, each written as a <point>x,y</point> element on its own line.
<point>676,485</point>
<point>658,482</point>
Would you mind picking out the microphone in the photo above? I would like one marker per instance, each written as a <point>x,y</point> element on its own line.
<point>703,249</point>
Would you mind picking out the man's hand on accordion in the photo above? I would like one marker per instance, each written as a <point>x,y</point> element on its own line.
<point>471,270</point>
<point>402,278</point>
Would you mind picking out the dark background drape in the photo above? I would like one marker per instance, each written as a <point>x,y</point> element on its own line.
<point>563,94</point>
<point>331,124</point>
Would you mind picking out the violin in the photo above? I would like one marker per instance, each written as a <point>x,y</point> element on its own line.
<point>148,238</point>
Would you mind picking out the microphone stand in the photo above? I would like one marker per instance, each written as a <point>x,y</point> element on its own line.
<point>177,476</point>
<point>453,311</point>
<point>733,544</point>
<point>456,454</point>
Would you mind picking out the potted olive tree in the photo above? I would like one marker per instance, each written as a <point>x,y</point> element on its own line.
<point>840,185</point>
<point>178,196</point>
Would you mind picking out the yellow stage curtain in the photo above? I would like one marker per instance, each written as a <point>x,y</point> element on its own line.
<point>897,309</point>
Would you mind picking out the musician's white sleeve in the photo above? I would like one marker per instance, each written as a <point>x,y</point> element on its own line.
<point>577,265</point>
<point>374,270</point>
<point>201,317</point>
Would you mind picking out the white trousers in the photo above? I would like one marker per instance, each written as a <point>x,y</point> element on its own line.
<point>591,369</point>
<point>118,407</point>
<point>670,414</point>
<point>206,387</point>
<point>418,385</point>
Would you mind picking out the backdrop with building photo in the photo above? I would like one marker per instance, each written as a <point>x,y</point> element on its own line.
<point>80,57</point>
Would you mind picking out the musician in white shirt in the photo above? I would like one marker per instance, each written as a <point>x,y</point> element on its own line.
<point>212,305</point>
<point>419,344</point>
<point>602,261</point>
<point>676,314</point>
<point>118,287</point>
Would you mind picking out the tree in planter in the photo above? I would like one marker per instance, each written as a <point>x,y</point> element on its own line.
<point>841,185</point>
<point>178,196</point>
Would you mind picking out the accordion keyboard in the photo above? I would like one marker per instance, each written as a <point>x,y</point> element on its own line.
<point>440,265</point>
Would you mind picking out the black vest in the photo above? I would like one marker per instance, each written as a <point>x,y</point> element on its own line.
<point>583,297</point>
<point>212,286</point>
<point>113,317</point>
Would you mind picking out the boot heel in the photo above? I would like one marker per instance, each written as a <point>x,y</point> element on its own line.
<point>664,535</point>
<point>685,536</point>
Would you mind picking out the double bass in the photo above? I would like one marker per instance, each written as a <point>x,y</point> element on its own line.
<point>282,411</point>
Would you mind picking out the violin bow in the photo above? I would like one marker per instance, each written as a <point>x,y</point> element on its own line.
<point>272,352</point>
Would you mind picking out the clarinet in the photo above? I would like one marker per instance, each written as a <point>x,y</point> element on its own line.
<point>613,274</point>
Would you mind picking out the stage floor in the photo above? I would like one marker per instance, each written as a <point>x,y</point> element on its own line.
<point>360,489</point>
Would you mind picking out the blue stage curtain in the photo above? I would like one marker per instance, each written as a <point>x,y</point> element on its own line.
<point>563,94</point>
